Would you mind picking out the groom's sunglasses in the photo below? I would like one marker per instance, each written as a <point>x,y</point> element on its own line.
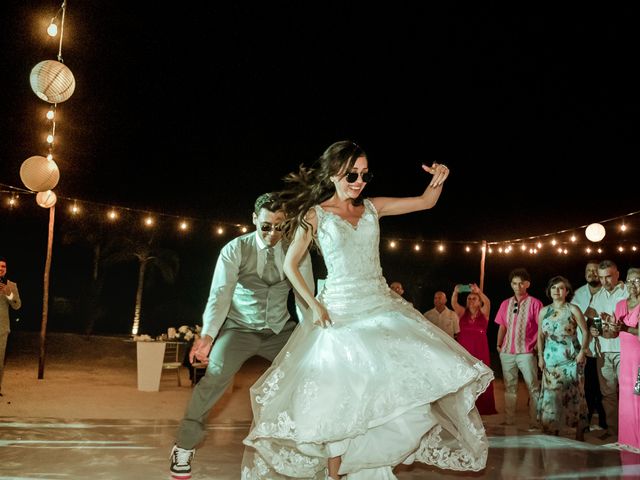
<point>353,176</point>
<point>267,227</point>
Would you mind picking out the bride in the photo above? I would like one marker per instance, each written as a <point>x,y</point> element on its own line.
<point>368,384</point>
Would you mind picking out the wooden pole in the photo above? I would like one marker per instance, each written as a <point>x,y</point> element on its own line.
<point>45,296</point>
<point>482,261</point>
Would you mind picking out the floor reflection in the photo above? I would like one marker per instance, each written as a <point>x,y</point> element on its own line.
<point>124,449</point>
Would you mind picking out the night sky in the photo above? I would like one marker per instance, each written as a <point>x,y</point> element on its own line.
<point>195,109</point>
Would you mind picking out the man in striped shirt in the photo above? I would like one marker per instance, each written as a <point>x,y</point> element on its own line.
<point>517,336</point>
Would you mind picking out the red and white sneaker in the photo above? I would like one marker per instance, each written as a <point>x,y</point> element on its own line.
<point>181,462</point>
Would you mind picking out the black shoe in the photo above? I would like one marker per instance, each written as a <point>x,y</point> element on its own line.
<point>181,462</point>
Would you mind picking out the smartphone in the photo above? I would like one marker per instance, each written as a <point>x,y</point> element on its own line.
<point>464,288</point>
<point>597,323</point>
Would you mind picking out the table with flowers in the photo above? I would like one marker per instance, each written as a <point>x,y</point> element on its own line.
<point>150,354</point>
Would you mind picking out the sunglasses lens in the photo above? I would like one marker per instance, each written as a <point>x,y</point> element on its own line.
<point>353,177</point>
<point>267,228</point>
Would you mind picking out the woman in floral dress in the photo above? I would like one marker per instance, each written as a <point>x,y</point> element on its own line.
<point>561,359</point>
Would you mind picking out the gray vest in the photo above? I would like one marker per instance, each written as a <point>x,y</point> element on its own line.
<point>256,305</point>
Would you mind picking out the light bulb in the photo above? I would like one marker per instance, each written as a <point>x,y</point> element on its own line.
<point>52,29</point>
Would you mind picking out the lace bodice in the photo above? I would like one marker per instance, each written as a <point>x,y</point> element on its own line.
<point>351,254</point>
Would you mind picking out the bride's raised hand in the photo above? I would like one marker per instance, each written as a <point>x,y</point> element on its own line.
<point>320,315</point>
<point>439,171</point>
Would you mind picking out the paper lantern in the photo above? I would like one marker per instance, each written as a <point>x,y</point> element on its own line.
<point>595,232</point>
<point>52,81</point>
<point>46,199</point>
<point>39,174</point>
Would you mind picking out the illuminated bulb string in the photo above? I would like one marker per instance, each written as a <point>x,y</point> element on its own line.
<point>531,245</point>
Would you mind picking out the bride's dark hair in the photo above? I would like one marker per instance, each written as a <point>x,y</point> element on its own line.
<point>310,186</point>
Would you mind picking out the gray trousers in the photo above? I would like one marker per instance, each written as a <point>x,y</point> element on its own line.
<point>230,350</point>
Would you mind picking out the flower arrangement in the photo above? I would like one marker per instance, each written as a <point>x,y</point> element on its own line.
<point>185,333</point>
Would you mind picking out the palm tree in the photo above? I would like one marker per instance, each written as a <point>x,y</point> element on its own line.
<point>92,232</point>
<point>151,259</point>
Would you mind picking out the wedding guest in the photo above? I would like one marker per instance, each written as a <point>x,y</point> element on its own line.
<point>474,321</point>
<point>626,323</point>
<point>561,358</point>
<point>607,347</point>
<point>9,297</point>
<point>397,287</point>
<point>517,337</point>
<point>583,298</point>
<point>442,316</point>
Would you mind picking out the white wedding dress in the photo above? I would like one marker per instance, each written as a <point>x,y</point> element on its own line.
<point>382,386</point>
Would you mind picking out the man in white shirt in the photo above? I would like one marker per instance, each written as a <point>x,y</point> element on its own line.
<point>246,315</point>
<point>603,305</point>
<point>443,317</point>
<point>582,298</point>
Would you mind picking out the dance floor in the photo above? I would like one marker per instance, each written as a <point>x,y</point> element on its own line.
<point>126,449</point>
<point>89,421</point>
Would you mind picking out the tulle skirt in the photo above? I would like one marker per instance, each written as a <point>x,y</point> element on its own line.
<point>380,387</point>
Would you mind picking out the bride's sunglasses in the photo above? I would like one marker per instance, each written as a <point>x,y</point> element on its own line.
<point>353,176</point>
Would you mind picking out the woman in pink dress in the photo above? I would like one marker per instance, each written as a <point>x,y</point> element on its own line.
<point>626,318</point>
<point>474,320</point>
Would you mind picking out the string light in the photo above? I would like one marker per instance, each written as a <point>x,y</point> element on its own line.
<point>185,224</point>
<point>52,29</point>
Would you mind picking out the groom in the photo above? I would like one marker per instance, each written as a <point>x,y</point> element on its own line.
<point>246,315</point>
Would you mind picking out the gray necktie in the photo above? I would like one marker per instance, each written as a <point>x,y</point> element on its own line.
<point>270,274</point>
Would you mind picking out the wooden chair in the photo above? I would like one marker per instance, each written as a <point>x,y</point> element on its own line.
<point>197,372</point>
<point>173,356</point>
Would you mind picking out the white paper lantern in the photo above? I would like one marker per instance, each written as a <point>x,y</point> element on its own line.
<point>46,199</point>
<point>595,232</point>
<point>52,81</point>
<point>39,174</point>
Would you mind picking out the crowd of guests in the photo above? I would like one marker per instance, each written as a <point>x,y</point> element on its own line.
<point>578,352</point>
